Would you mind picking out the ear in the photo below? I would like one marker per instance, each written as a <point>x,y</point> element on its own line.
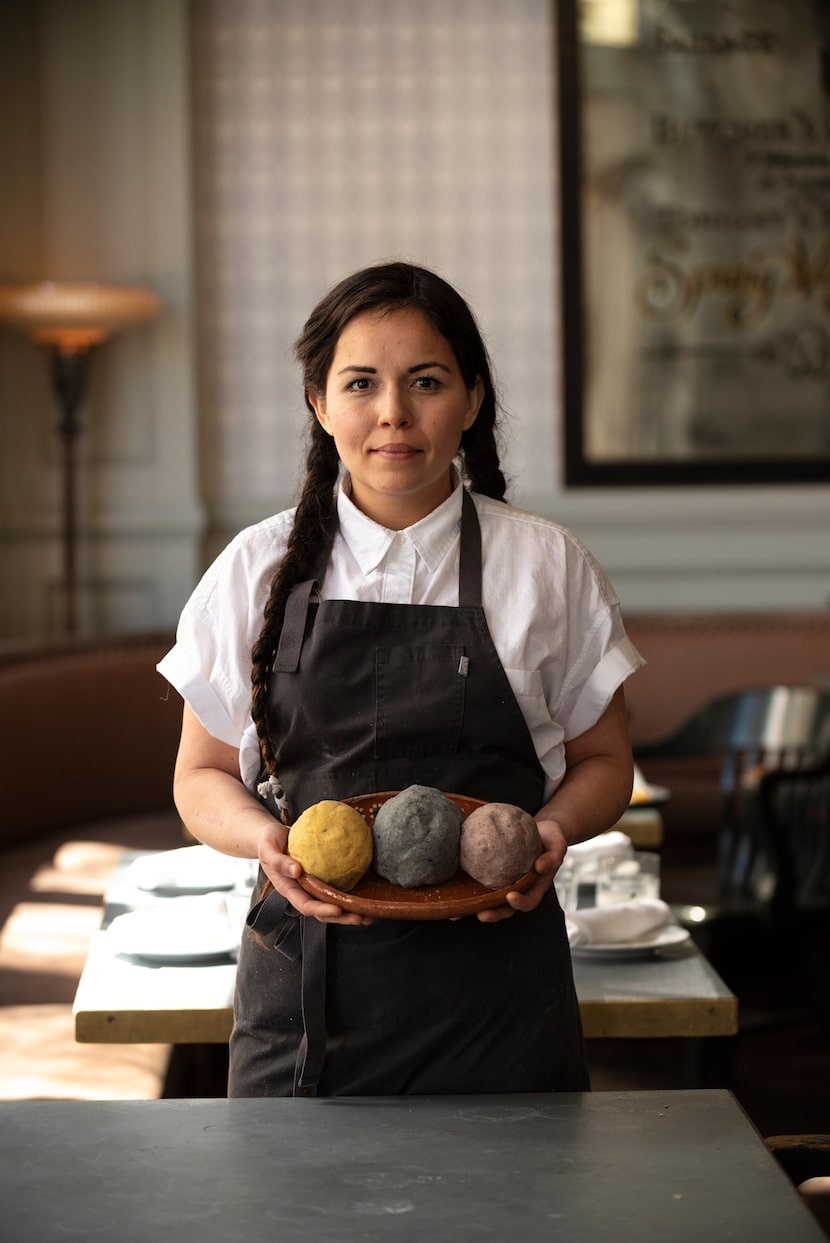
<point>317,401</point>
<point>475,398</point>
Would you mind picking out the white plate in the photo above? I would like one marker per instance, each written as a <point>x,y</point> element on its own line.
<point>179,930</point>
<point>672,934</point>
<point>188,869</point>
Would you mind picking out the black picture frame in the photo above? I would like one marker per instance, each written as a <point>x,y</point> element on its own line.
<point>629,465</point>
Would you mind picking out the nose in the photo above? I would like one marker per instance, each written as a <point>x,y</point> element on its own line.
<point>394,409</point>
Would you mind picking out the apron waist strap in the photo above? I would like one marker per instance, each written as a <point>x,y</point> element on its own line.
<point>295,936</point>
<point>312,1052</point>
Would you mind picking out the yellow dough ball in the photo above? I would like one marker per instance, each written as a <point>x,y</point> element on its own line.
<point>333,842</point>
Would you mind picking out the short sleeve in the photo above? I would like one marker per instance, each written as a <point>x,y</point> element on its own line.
<point>210,663</point>
<point>599,656</point>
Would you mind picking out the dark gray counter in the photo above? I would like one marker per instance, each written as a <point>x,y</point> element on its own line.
<point>644,1166</point>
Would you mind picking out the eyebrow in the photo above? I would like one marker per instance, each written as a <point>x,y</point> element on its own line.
<point>410,371</point>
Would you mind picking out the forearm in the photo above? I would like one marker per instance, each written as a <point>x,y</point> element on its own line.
<point>593,795</point>
<point>599,774</point>
<point>219,811</point>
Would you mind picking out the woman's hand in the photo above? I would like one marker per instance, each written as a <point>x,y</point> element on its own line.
<point>592,796</point>
<point>284,873</point>
<point>218,810</point>
<point>546,867</point>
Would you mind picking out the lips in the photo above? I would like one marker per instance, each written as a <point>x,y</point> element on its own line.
<point>396,450</point>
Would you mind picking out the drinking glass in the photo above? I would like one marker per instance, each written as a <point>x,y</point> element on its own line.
<point>628,880</point>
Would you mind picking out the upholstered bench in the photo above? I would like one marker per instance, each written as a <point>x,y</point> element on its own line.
<point>90,736</point>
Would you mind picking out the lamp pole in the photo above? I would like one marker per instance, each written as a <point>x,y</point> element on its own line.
<point>70,369</point>
<point>70,319</point>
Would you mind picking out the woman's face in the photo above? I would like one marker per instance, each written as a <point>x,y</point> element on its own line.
<point>396,405</point>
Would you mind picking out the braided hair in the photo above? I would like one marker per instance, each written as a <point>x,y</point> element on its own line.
<point>381,288</point>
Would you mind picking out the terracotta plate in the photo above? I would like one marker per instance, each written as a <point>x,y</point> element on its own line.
<point>461,895</point>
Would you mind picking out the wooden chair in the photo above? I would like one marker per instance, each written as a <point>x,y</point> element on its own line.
<point>796,807</point>
<point>796,810</point>
<point>750,733</point>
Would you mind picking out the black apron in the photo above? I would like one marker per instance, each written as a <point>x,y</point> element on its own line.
<point>368,697</point>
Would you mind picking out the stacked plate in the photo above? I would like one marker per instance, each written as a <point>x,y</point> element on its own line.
<point>180,930</point>
<point>197,910</point>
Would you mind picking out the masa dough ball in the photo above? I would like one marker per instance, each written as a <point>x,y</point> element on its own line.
<point>333,842</point>
<point>499,843</point>
<point>416,837</point>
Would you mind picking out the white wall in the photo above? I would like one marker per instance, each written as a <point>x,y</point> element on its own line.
<point>322,136</point>
<point>94,147</point>
<point>333,135</point>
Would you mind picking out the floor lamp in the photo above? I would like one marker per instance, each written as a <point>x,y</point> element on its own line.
<point>69,320</point>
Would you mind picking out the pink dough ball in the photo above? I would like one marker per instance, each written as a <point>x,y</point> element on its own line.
<point>499,843</point>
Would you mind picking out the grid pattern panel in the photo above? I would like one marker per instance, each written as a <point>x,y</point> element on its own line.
<point>334,134</point>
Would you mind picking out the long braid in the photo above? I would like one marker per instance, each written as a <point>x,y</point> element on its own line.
<point>480,454</point>
<point>311,538</point>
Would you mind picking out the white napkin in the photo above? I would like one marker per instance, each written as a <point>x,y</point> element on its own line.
<point>612,925</point>
<point>194,869</point>
<point>611,843</point>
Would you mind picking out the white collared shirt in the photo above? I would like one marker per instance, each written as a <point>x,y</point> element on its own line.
<point>553,615</point>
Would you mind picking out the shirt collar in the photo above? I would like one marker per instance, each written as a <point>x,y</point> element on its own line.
<point>432,537</point>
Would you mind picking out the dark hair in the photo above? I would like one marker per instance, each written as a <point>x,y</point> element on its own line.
<point>384,287</point>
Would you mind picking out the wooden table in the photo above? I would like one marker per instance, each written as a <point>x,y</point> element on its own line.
<point>122,1000</point>
<point>612,1167</point>
<point>677,995</point>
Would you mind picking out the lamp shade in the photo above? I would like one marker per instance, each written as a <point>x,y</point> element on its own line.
<point>74,315</point>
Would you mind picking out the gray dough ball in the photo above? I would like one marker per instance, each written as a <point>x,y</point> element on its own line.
<point>416,837</point>
<point>499,843</point>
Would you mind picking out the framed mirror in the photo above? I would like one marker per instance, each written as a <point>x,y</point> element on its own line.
<point>695,174</point>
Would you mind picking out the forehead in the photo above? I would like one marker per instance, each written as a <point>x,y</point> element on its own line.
<point>377,336</point>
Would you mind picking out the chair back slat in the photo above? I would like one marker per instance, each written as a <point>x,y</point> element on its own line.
<point>755,732</point>
<point>796,810</point>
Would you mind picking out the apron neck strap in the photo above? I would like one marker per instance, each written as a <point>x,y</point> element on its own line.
<point>469,556</point>
<point>293,626</point>
<point>469,590</point>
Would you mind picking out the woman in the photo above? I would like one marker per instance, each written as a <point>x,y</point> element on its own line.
<point>402,626</point>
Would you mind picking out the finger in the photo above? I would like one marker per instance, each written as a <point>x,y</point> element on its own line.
<point>325,912</point>
<point>547,864</point>
<point>282,866</point>
<point>530,899</point>
<point>329,913</point>
<point>496,914</point>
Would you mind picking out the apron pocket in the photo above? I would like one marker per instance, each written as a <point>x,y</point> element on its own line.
<point>419,700</point>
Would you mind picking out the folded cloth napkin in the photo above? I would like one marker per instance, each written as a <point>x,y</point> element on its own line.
<point>186,868</point>
<point>611,843</point>
<point>612,925</point>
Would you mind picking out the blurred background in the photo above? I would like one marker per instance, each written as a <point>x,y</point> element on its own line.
<point>237,158</point>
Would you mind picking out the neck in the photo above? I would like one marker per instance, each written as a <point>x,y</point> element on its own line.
<point>396,513</point>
